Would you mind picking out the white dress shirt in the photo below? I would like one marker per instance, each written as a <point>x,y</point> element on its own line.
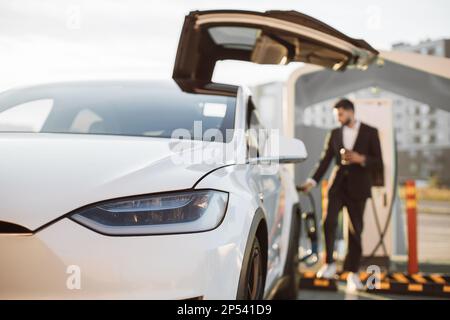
<point>349,136</point>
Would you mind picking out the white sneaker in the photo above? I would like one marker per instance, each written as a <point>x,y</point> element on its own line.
<point>327,271</point>
<point>354,283</point>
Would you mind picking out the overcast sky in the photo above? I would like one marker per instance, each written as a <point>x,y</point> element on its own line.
<point>53,40</point>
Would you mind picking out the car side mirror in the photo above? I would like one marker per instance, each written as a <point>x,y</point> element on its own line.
<point>288,150</point>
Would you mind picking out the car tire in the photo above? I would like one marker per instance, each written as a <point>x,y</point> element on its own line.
<point>288,290</point>
<point>255,273</point>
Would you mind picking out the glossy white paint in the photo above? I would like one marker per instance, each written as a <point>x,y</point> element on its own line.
<point>45,176</point>
<point>48,175</point>
<point>155,267</point>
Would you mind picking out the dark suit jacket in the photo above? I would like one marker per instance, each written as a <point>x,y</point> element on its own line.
<point>355,179</point>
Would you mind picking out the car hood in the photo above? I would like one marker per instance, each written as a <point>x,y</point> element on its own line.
<point>44,176</point>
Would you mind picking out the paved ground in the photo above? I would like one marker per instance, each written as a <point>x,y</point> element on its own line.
<point>433,248</point>
<point>433,237</point>
<point>342,295</point>
<point>433,228</point>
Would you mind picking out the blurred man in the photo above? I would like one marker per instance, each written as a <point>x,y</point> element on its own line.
<point>355,147</point>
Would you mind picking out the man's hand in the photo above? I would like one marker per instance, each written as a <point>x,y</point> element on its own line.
<point>355,157</point>
<point>307,186</point>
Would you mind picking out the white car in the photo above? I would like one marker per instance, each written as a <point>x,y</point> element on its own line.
<point>109,190</point>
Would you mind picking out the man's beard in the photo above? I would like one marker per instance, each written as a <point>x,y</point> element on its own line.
<point>347,122</point>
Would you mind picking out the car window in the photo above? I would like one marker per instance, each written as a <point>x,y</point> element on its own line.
<point>152,110</point>
<point>234,37</point>
<point>27,116</point>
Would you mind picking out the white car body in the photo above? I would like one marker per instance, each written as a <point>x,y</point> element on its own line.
<point>49,175</point>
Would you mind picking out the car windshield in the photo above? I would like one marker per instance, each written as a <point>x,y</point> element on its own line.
<point>153,109</point>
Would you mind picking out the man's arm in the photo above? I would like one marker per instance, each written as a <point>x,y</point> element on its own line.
<point>327,156</point>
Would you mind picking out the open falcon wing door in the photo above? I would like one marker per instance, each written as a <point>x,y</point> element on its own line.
<point>271,37</point>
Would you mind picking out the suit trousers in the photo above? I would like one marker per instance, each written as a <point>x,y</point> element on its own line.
<point>355,208</point>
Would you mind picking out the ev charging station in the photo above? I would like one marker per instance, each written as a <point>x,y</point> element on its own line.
<point>377,234</point>
<point>422,78</point>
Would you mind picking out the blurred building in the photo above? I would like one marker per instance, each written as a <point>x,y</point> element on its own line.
<point>422,132</point>
<point>440,48</point>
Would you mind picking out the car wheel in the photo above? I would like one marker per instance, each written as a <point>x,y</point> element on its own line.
<point>253,286</point>
<point>291,277</point>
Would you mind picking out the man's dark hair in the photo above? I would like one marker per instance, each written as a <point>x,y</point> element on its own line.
<point>345,104</point>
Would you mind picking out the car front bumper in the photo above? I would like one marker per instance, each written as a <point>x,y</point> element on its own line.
<point>68,261</point>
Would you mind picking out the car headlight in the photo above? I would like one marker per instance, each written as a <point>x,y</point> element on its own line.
<point>180,212</point>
